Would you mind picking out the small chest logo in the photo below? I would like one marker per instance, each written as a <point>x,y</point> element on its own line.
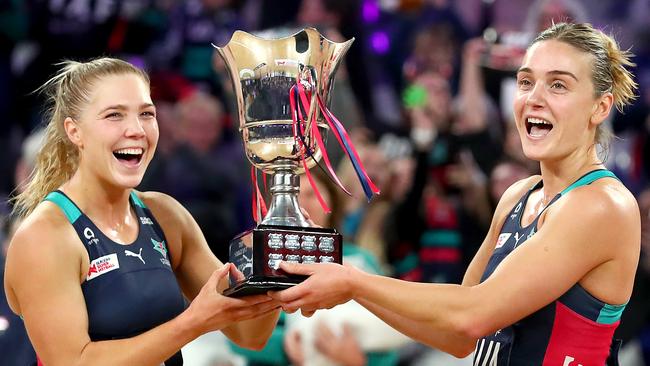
<point>90,235</point>
<point>517,209</point>
<point>102,265</point>
<point>129,253</point>
<point>146,220</point>
<point>503,238</point>
<point>160,247</point>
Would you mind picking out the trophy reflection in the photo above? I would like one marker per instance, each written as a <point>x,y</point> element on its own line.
<point>282,87</point>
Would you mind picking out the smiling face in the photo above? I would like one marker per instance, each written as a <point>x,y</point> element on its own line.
<point>116,132</point>
<point>555,108</point>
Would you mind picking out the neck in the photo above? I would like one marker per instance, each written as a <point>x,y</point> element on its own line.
<point>559,174</point>
<point>105,204</point>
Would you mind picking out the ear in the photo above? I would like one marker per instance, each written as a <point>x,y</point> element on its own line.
<point>73,131</point>
<point>602,108</point>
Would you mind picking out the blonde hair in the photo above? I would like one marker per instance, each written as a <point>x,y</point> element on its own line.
<point>610,65</point>
<point>67,93</point>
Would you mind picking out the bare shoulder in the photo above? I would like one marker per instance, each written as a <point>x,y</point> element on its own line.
<point>46,225</point>
<point>607,207</point>
<point>45,246</point>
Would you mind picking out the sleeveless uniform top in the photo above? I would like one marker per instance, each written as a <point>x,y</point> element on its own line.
<point>574,330</point>
<point>129,289</point>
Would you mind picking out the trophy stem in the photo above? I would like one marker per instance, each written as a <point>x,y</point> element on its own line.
<point>284,209</point>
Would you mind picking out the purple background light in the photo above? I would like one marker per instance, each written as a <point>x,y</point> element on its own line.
<point>380,42</point>
<point>370,11</point>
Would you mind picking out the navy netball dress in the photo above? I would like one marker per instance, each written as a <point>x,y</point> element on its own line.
<point>574,330</point>
<point>129,289</point>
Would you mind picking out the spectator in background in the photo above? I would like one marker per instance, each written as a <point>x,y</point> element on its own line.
<point>186,47</point>
<point>208,172</point>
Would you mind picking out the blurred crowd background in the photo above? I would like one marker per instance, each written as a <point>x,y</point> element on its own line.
<point>425,92</point>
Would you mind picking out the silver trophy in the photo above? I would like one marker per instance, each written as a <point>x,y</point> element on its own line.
<point>263,72</point>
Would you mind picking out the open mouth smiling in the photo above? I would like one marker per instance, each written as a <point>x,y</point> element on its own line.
<point>537,127</point>
<point>131,156</point>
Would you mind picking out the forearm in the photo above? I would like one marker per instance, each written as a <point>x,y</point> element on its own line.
<point>254,333</point>
<point>438,307</point>
<point>150,348</point>
<point>447,341</point>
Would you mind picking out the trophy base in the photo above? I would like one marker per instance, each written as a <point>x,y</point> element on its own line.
<point>258,256</point>
<point>256,286</point>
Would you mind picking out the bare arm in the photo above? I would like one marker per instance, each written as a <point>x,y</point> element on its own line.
<point>553,261</point>
<point>196,263</point>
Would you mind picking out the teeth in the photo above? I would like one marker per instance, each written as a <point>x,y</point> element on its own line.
<point>130,151</point>
<point>537,121</point>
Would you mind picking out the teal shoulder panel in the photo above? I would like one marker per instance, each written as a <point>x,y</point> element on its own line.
<point>589,178</point>
<point>610,314</point>
<point>137,200</point>
<point>69,209</point>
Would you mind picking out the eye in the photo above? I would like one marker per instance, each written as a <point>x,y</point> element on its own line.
<point>524,83</point>
<point>114,116</point>
<point>148,114</point>
<point>558,85</point>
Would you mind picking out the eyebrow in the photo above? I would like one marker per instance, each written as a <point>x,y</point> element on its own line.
<point>552,72</point>
<point>122,107</point>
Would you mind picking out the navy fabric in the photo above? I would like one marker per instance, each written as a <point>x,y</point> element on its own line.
<point>129,288</point>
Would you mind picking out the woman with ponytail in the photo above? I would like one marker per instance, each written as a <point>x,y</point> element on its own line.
<point>553,275</point>
<point>101,273</point>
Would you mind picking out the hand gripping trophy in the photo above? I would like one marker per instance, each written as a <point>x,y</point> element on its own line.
<point>282,89</point>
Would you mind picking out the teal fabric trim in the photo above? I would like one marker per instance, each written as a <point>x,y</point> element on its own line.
<point>408,263</point>
<point>389,358</point>
<point>440,238</point>
<point>69,209</point>
<point>137,200</point>
<point>589,178</point>
<point>610,314</point>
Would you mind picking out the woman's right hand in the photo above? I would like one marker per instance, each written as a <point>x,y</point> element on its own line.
<point>210,310</point>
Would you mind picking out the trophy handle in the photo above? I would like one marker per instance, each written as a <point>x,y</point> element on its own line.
<point>312,82</point>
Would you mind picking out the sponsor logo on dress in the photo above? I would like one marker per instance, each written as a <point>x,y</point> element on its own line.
<point>160,247</point>
<point>568,361</point>
<point>129,253</point>
<point>517,238</point>
<point>489,354</point>
<point>512,217</point>
<point>102,265</point>
<point>503,238</point>
<point>146,220</point>
<point>90,235</point>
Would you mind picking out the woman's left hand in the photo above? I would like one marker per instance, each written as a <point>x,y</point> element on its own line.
<point>328,285</point>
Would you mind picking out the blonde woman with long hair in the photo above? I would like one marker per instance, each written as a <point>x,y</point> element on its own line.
<point>101,273</point>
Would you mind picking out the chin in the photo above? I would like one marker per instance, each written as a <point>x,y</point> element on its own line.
<point>128,182</point>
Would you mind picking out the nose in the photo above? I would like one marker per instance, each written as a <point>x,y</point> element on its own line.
<point>536,95</point>
<point>134,128</point>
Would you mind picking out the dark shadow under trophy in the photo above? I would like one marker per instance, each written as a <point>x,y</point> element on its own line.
<point>265,73</point>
